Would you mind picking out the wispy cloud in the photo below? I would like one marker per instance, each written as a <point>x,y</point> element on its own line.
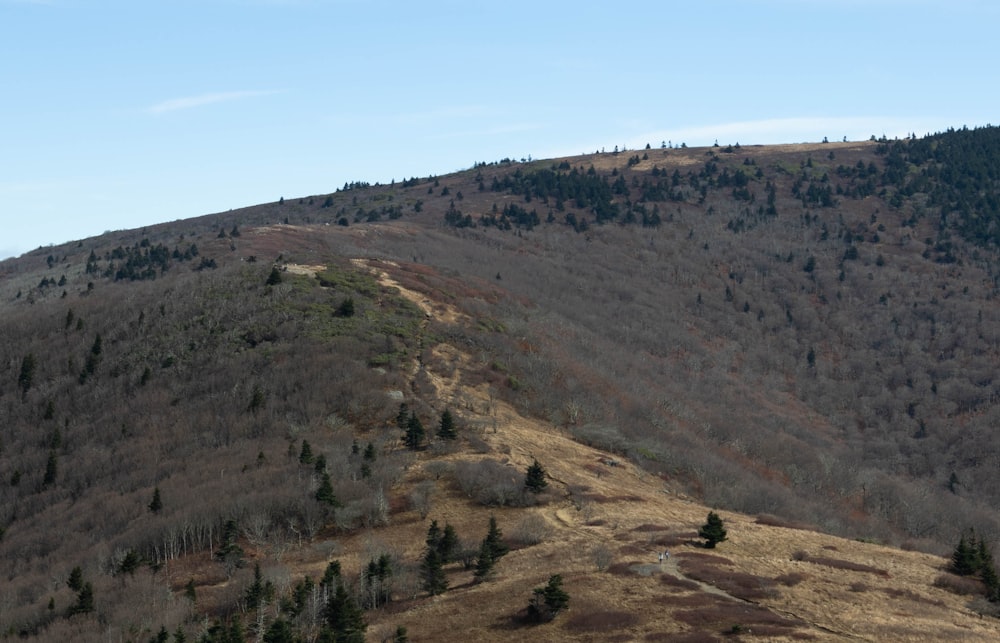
<point>190,102</point>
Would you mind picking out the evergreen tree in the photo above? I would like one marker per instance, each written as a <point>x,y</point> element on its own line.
<point>280,631</point>
<point>84,600</point>
<point>403,416</point>
<point>494,541</point>
<point>415,433</point>
<point>447,546</point>
<point>490,551</point>
<point>27,375</point>
<point>156,504</point>
<point>254,594</point>
<point>129,563</point>
<point>484,562</point>
<point>446,427</point>
<point>163,636</point>
<point>344,618</point>
<point>984,557</point>
<point>230,553</point>
<point>306,454</point>
<point>346,308</point>
<point>549,600</point>
<point>433,535</point>
<point>257,399</point>
<point>93,359</point>
<point>432,572</point>
<point>401,635</point>
<point>274,278</point>
<point>964,560</point>
<point>75,580</point>
<point>331,575</point>
<point>325,492</point>
<point>534,479</point>
<point>179,636</point>
<point>376,588</point>
<point>712,531</point>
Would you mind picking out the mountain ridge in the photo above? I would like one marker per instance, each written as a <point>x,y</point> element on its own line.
<point>751,359</point>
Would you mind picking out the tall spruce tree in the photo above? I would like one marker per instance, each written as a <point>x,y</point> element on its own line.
<point>27,375</point>
<point>432,572</point>
<point>344,618</point>
<point>415,433</point>
<point>446,426</point>
<point>712,531</point>
<point>534,479</point>
<point>964,560</point>
<point>324,493</point>
<point>490,551</point>
<point>156,504</point>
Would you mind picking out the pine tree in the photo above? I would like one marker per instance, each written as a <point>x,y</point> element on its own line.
<point>129,563</point>
<point>490,551</point>
<point>254,594</point>
<point>712,531</point>
<point>984,557</point>
<point>432,572</point>
<point>548,601</point>
<point>280,631</point>
<point>306,454</point>
<point>433,535</point>
<point>84,600</point>
<point>331,575</point>
<point>964,559</point>
<point>534,479</point>
<point>346,308</point>
<point>274,278</point>
<point>448,543</point>
<point>344,618</point>
<point>446,427</point>
<point>494,541</point>
<point>415,433</point>
<point>403,416</point>
<point>484,562</point>
<point>27,375</point>
<point>156,504</point>
<point>257,399</point>
<point>230,553</point>
<point>325,492</point>
<point>75,580</point>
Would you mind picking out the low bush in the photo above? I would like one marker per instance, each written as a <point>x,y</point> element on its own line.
<point>961,585</point>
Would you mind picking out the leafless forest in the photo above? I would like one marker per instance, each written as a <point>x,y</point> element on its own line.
<point>810,332</point>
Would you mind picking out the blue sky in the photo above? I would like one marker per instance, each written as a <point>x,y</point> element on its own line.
<point>121,114</point>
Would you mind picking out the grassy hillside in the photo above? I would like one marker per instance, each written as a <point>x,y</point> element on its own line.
<point>805,335</point>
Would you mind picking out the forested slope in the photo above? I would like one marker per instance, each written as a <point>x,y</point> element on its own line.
<point>805,331</point>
